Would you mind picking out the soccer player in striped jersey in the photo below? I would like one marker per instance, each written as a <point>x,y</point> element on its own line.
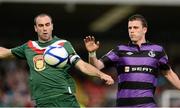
<point>138,64</point>
<point>50,86</point>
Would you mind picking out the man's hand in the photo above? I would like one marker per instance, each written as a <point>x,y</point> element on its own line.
<point>90,44</point>
<point>107,78</point>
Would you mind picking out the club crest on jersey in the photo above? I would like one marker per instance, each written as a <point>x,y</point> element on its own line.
<point>126,69</point>
<point>39,63</point>
<point>151,54</point>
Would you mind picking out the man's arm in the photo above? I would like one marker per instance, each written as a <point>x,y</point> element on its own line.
<point>94,61</point>
<point>172,77</point>
<point>92,47</point>
<point>92,71</point>
<point>5,53</point>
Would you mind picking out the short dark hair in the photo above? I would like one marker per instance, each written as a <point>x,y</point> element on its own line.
<point>41,15</point>
<point>139,17</point>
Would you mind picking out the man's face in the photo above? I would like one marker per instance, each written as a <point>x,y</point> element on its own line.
<point>44,28</point>
<point>136,31</point>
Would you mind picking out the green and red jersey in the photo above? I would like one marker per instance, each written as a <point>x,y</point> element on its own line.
<point>46,81</point>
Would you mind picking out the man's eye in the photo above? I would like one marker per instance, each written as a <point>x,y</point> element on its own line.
<point>40,25</point>
<point>48,24</point>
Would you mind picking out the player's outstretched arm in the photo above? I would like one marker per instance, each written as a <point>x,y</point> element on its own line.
<point>92,46</point>
<point>172,77</point>
<point>5,53</point>
<point>92,71</point>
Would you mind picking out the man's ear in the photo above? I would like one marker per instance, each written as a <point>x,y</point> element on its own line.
<point>145,29</point>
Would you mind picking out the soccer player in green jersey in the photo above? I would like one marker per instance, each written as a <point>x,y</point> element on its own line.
<point>51,87</point>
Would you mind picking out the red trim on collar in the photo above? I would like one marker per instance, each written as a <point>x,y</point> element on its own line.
<point>61,44</point>
<point>38,51</point>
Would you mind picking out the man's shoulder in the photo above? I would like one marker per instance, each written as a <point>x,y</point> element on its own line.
<point>59,39</point>
<point>123,44</point>
<point>155,46</point>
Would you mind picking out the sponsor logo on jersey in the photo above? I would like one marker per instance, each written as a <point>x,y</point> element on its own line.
<point>144,69</point>
<point>39,64</point>
<point>126,69</point>
<point>135,69</point>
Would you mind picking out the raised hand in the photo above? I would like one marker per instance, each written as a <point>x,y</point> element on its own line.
<point>90,43</point>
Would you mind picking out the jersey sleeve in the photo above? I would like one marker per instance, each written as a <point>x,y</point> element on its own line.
<point>73,56</point>
<point>110,58</point>
<point>19,51</point>
<point>163,61</point>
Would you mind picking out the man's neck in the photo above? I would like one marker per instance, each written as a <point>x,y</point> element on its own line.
<point>44,41</point>
<point>139,42</point>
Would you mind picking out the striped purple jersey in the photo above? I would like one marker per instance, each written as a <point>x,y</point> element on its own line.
<point>137,69</point>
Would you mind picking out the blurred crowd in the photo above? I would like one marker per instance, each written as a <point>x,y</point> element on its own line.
<point>91,91</point>
<point>13,84</point>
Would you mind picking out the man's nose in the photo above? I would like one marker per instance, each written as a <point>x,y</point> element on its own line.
<point>131,31</point>
<point>44,28</point>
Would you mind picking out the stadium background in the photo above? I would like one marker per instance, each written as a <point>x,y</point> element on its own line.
<point>73,20</point>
